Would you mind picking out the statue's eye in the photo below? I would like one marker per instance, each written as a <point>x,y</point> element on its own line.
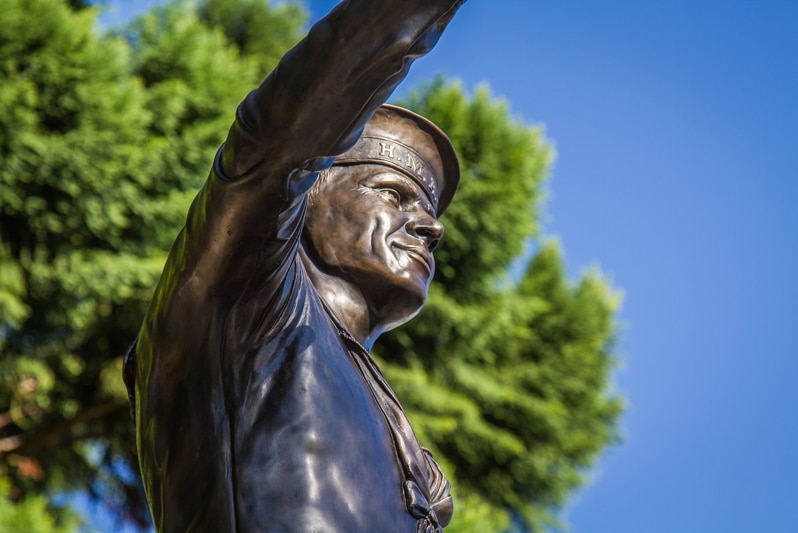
<point>391,195</point>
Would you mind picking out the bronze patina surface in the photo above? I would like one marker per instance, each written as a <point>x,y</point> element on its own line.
<point>256,403</point>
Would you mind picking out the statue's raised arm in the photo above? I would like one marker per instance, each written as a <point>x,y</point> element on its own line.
<point>257,406</point>
<point>316,102</point>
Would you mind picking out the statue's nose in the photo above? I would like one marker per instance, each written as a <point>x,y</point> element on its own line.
<point>427,228</point>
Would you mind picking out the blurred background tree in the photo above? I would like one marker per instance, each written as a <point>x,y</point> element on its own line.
<point>104,140</point>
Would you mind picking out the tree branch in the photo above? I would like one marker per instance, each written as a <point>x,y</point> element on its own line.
<point>52,436</point>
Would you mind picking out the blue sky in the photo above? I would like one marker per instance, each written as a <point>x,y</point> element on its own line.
<point>676,126</point>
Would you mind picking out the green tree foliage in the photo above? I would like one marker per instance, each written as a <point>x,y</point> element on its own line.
<point>77,264</point>
<point>32,514</point>
<point>104,140</point>
<point>259,31</point>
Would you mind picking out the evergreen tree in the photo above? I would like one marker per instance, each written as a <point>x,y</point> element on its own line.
<point>104,140</point>
<point>77,264</point>
<point>259,31</point>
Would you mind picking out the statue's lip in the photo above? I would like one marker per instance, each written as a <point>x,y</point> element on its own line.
<point>419,253</point>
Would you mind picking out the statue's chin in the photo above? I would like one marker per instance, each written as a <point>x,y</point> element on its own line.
<point>401,309</point>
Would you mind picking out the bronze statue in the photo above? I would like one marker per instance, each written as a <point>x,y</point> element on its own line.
<point>257,405</point>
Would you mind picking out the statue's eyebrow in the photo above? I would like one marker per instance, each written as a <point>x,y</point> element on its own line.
<point>408,186</point>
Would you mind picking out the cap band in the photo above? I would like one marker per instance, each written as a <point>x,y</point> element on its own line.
<point>397,155</point>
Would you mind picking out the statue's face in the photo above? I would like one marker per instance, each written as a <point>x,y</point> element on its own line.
<point>376,228</point>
